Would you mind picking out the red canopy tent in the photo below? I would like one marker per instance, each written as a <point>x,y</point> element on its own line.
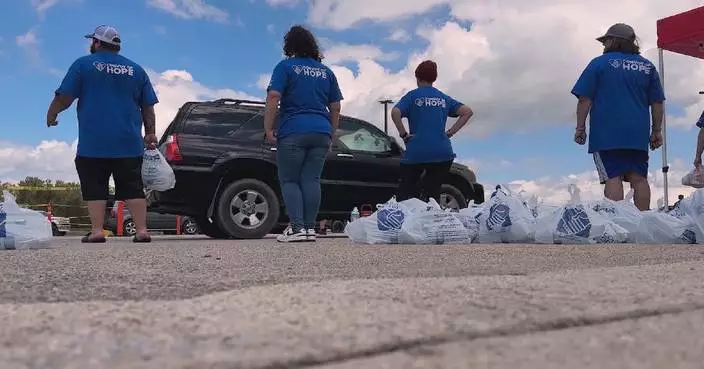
<point>681,33</point>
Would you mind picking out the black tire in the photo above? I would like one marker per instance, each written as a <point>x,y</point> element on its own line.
<point>453,192</point>
<point>129,228</point>
<point>478,194</point>
<point>263,194</point>
<point>190,227</point>
<point>338,226</point>
<point>61,234</point>
<point>55,230</point>
<point>211,229</point>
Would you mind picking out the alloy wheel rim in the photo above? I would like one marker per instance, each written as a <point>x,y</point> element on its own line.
<point>249,209</point>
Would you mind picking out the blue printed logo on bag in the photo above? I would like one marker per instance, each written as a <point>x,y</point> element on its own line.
<point>604,210</point>
<point>390,218</point>
<point>689,236</point>
<point>574,223</point>
<point>677,212</point>
<point>499,217</point>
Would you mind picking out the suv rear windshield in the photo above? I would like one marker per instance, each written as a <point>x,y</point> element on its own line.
<point>217,120</point>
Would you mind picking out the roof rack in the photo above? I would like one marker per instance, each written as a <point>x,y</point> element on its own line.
<point>239,101</point>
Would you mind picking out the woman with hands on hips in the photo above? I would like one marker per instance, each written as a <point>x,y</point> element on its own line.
<point>428,146</point>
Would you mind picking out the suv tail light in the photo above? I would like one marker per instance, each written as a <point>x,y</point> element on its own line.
<point>173,152</point>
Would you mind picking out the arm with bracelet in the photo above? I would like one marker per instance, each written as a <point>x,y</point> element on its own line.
<point>399,112</point>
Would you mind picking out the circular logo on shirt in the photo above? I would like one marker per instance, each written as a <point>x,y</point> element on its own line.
<point>615,62</point>
<point>297,69</point>
<point>99,66</point>
<point>419,102</point>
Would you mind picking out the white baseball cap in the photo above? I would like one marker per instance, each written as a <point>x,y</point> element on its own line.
<point>107,34</point>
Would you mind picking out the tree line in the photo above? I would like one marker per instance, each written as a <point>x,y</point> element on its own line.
<point>34,193</point>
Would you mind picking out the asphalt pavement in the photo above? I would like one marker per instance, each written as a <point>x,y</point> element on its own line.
<point>192,302</point>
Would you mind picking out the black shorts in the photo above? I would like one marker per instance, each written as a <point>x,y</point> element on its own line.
<point>94,174</point>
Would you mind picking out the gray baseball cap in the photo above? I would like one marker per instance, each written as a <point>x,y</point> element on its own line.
<point>619,30</point>
<point>107,34</point>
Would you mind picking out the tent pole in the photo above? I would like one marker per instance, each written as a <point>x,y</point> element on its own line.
<point>665,167</point>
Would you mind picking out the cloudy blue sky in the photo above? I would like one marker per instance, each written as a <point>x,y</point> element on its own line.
<point>513,63</point>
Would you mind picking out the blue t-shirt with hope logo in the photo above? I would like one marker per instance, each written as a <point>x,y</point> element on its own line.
<point>621,87</point>
<point>111,90</point>
<point>427,109</point>
<point>307,88</point>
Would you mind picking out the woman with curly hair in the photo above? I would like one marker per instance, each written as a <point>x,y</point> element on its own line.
<point>309,98</point>
<point>428,152</point>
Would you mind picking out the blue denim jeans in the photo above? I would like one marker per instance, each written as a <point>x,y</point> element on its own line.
<point>300,159</point>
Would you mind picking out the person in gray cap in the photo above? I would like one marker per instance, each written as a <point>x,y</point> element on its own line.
<point>620,91</point>
<point>115,98</point>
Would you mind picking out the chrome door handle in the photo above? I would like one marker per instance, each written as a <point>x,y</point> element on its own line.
<point>272,148</point>
<point>345,156</point>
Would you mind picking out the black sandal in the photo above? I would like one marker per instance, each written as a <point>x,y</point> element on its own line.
<point>142,239</point>
<point>88,239</point>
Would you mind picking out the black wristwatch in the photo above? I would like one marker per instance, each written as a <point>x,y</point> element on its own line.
<point>405,136</point>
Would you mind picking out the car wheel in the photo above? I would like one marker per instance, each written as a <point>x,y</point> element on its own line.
<point>129,228</point>
<point>247,209</point>
<point>189,227</point>
<point>54,230</point>
<point>211,230</point>
<point>451,198</point>
<point>62,234</point>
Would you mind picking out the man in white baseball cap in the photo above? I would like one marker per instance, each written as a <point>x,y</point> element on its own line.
<point>106,34</point>
<point>620,92</point>
<point>115,98</point>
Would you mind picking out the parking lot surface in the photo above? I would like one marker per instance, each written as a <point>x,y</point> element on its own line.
<point>193,302</point>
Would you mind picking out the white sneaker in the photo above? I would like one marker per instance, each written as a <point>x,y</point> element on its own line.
<point>290,236</point>
<point>310,235</point>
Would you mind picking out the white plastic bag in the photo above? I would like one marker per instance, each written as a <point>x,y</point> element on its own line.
<point>432,225</point>
<point>691,209</point>
<point>157,174</point>
<point>575,223</point>
<point>384,225</point>
<point>662,228</point>
<point>624,213</point>
<point>505,218</point>
<point>678,211</point>
<point>469,217</point>
<point>534,203</point>
<point>22,228</point>
<point>694,178</point>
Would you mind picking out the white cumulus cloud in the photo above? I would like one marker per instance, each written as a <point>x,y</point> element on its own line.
<point>516,65</point>
<point>50,159</point>
<point>42,6</point>
<point>190,9</point>
<point>399,35</point>
<point>338,53</point>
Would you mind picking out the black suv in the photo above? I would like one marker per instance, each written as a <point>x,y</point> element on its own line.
<point>226,174</point>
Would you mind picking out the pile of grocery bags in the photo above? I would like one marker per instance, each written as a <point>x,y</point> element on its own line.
<point>508,217</point>
<point>22,228</point>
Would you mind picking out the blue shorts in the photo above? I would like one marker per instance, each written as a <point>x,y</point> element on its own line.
<point>620,162</point>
